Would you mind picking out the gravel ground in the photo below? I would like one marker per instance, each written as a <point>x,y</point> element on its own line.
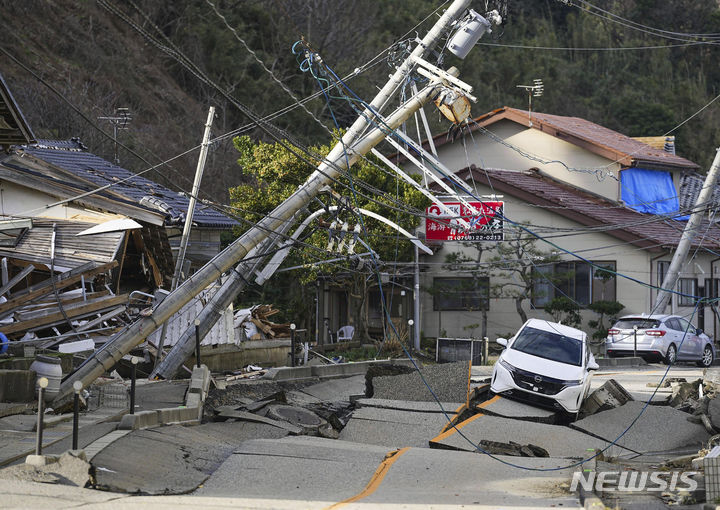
<point>448,381</point>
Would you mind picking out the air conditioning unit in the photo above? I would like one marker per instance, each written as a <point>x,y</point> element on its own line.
<point>448,350</point>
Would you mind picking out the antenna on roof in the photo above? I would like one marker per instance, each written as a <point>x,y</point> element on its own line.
<point>120,120</point>
<point>534,90</point>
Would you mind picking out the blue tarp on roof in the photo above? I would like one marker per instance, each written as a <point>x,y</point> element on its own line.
<point>649,191</point>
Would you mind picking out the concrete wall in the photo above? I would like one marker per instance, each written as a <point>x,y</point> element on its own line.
<point>266,353</point>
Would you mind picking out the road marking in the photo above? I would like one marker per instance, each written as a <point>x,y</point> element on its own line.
<point>376,479</point>
<point>450,431</point>
<point>457,412</point>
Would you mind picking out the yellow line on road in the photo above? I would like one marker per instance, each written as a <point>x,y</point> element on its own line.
<point>376,479</point>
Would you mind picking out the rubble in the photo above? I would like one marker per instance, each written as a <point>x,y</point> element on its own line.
<point>558,441</point>
<point>70,468</point>
<point>254,323</point>
<point>449,383</point>
<point>608,396</point>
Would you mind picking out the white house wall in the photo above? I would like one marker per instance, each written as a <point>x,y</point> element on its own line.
<point>484,152</point>
<point>503,318</point>
<point>18,200</point>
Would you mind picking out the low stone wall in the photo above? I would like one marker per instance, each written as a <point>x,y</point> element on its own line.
<point>265,353</point>
<point>17,386</point>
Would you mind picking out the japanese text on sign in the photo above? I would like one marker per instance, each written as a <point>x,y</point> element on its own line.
<point>485,225</point>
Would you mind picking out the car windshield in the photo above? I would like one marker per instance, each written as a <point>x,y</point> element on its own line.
<point>549,345</point>
<point>640,322</point>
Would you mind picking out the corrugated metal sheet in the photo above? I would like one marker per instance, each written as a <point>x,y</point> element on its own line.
<point>222,333</point>
<point>70,251</point>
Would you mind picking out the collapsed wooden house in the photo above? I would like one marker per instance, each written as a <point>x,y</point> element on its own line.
<point>81,239</point>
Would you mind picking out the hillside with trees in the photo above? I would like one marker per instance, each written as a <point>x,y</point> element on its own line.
<point>73,62</point>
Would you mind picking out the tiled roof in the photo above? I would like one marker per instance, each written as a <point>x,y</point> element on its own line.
<point>72,156</point>
<point>690,185</point>
<point>644,230</point>
<point>593,137</point>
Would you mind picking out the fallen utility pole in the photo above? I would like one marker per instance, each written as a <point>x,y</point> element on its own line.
<point>341,158</point>
<point>235,283</point>
<point>701,205</point>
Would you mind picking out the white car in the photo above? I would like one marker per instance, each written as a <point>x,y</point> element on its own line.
<point>546,364</point>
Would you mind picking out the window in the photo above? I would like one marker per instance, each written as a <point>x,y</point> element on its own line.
<point>662,269</point>
<point>582,282</point>
<point>461,293</point>
<point>688,292</point>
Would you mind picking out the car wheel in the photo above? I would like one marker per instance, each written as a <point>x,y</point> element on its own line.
<point>671,356</point>
<point>707,357</point>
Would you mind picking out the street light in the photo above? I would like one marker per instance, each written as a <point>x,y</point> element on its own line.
<point>77,387</point>
<point>42,384</point>
<point>133,374</point>
<point>292,344</point>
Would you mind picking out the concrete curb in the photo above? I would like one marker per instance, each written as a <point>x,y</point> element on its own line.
<point>328,371</point>
<point>589,499</point>
<point>190,414</point>
<point>620,362</point>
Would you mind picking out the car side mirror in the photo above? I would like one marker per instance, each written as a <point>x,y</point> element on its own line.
<point>698,331</point>
<point>502,341</point>
<point>592,365</point>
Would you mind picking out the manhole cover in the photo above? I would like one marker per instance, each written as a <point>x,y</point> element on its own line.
<point>295,415</point>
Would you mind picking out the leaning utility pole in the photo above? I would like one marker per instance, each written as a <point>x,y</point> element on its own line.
<point>345,153</point>
<point>701,205</point>
<point>193,199</point>
<point>188,222</point>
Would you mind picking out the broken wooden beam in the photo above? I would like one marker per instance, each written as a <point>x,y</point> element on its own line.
<point>16,279</point>
<point>71,312</point>
<point>47,288</point>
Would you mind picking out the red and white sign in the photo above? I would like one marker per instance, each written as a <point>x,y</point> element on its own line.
<point>486,225</point>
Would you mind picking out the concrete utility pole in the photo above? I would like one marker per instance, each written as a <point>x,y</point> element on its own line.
<point>193,199</point>
<point>416,299</point>
<point>336,162</point>
<point>188,222</point>
<point>235,283</point>
<point>704,199</point>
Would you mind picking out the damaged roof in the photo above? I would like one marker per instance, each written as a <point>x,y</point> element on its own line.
<point>73,157</point>
<point>643,230</point>
<point>70,250</point>
<point>690,185</point>
<point>14,129</point>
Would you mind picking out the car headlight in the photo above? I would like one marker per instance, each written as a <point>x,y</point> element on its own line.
<point>507,366</point>
<point>570,384</point>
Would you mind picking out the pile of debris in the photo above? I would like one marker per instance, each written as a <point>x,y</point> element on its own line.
<point>254,323</point>
<point>63,310</point>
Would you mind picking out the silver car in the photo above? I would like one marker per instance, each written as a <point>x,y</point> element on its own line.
<point>669,338</point>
